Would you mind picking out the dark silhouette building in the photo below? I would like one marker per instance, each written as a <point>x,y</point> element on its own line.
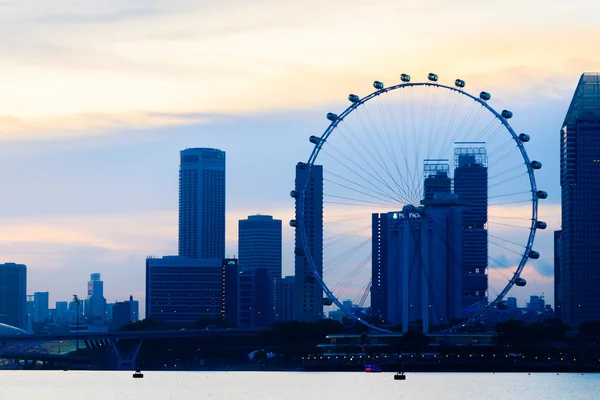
<point>308,291</point>
<point>579,251</point>
<point>471,186</point>
<point>255,299</point>
<point>13,295</point>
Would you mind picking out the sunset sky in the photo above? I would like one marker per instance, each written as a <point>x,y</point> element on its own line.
<point>98,98</point>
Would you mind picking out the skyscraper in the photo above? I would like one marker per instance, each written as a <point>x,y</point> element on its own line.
<point>308,291</point>
<point>40,307</point>
<point>437,180</point>
<point>13,295</point>
<point>230,304</point>
<point>284,299</point>
<point>259,244</point>
<point>579,271</point>
<point>202,204</point>
<point>471,186</point>
<point>95,304</point>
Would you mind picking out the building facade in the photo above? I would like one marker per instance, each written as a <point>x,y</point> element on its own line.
<point>284,299</point>
<point>13,295</point>
<point>124,312</point>
<point>255,300</point>
<point>95,304</point>
<point>181,291</point>
<point>202,204</point>
<point>259,244</point>
<point>471,186</point>
<point>40,306</point>
<point>231,282</point>
<point>579,266</point>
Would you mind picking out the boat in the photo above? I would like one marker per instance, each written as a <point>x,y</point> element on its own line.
<point>372,368</point>
<point>399,376</point>
<point>138,374</point>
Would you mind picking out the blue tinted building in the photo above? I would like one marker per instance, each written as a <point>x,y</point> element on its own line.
<point>13,295</point>
<point>255,299</point>
<point>308,291</point>
<point>578,298</point>
<point>284,299</point>
<point>259,244</point>
<point>202,204</point>
<point>471,186</point>
<point>230,303</point>
<point>180,290</point>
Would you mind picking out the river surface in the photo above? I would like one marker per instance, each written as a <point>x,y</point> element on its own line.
<point>77,385</point>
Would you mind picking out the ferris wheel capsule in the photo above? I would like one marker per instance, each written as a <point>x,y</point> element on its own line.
<point>332,117</point>
<point>432,77</point>
<point>507,114</point>
<point>405,78</point>
<point>459,83</point>
<point>536,164</point>
<point>485,96</point>
<point>541,225</point>
<point>354,98</point>
<point>378,85</point>
<point>294,194</point>
<point>293,223</point>
<point>541,194</point>
<point>520,282</point>
<point>315,139</point>
<point>523,137</point>
<point>301,165</point>
<point>534,254</point>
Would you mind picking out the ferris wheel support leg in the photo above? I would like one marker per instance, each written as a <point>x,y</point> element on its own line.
<point>405,274</point>
<point>424,283</point>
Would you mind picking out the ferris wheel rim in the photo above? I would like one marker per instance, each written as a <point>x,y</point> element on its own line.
<point>349,110</point>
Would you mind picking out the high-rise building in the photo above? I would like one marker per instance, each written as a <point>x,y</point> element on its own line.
<point>40,307</point>
<point>308,291</point>
<point>202,204</point>
<point>259,244</point>
<point>95,304</point>
<point>579,272</point>
<point>437,179</point>
<point>416,265</point>
<point>13,295</point>
<point>181,291</point>
<point>230,302</point>
<point>471,186</point>
<point>284,299</point>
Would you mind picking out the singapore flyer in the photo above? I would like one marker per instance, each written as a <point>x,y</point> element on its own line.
<point>429,207</point>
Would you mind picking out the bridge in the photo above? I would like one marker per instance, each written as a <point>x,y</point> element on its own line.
<point>105,350</point>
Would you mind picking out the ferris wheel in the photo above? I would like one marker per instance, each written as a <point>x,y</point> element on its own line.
<point>429,206</point>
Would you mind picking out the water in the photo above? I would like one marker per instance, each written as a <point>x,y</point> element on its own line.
<point>75,385</point>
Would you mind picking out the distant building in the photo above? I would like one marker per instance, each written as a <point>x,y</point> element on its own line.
<point>308,291</point>
<point>13,292</point>
<point>471,186</point>
<point>125,312</point>
<point>95,304</point>
<point>557,272</point>
<point>202,204</point>
<point>255,300</point>
<point>181,291</point>
<point>230,301</point>
<point>259,244</point>
<point>579,272</point>
<point>536,303</point>
<point>62,309</point>
<point>284,302</point>
<point>40,308</point>
<point>511,303</point>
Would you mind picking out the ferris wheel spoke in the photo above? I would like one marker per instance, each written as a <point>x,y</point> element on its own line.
<point>507,171</point>
<point>510,225</point>
<point>386,149</point>
<point>377,161</point>
<point>511,179</point>
<point>436,135</point>
<point>505,247</point>
<point>376,177</point>
<point>509,194</point>
<point>358,201</point>
<point>382,196</point>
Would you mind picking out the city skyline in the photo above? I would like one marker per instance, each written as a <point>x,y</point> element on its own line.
<point>99,189</point>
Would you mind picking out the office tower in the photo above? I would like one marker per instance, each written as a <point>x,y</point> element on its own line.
<point>437,179</point>
<point>255,300</point>
<point>62,309</point>
<point>95,304</point>
<point>40,308</point>
<point>579,272</point>
<point>471,186</point>
<point>13,295</point>
<point>308,291</point>
<point>202,204</point>
<point>284,299</point>
<point>230,300</point>
<point>259,244</point>
<point>416,264</point>
<point>181,291</point>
